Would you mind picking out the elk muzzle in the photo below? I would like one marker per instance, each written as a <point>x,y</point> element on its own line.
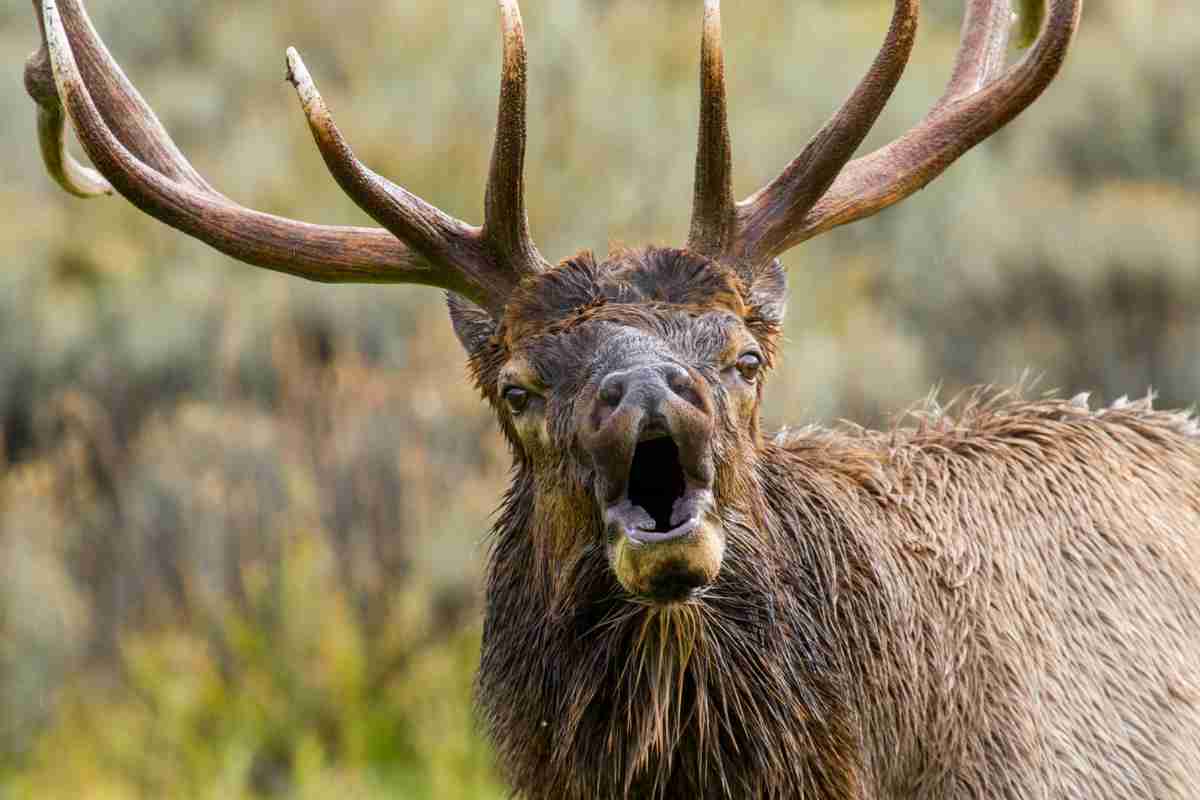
<point>649,430</point>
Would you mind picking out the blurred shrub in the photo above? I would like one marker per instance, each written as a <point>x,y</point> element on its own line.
<point>320,478</point>
<point>289,697</point>
<point>1108,298</point>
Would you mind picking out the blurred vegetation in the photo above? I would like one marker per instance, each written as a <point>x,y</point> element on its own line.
<point>242,517</point>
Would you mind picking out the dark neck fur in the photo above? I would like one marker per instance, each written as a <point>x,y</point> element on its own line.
<point>588,695</point>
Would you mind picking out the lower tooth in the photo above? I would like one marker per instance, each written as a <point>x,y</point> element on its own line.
<point>643,520</point>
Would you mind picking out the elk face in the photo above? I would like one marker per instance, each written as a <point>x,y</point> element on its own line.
<point>630,392</point>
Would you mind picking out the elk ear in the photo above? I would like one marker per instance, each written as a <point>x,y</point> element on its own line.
<point>473,326</point>
<point>767,295</point>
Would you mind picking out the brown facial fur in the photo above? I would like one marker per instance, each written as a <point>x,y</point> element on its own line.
<point>1000,603</point>
<point>563,330</point>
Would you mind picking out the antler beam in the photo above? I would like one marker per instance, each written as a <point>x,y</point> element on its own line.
<point>73,77</point>
<point>819,190</point>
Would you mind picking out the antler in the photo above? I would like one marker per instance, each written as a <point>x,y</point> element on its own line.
<point>819,190</point>
<point>73,77</point>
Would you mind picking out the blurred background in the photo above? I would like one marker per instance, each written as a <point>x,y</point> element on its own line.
<point>242,517</point>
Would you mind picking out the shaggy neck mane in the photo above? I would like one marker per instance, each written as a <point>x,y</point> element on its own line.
<point>859,619</point>
<point>590,693</point>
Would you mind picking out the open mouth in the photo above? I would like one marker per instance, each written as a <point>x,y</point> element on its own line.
<point>660,502</point>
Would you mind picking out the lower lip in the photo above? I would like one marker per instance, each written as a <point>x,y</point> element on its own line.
<point>640,537</point>
<point>622,520</point>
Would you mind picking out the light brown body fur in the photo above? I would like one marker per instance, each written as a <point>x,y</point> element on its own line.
<point>1001,600</point>
<point>1029,616</point>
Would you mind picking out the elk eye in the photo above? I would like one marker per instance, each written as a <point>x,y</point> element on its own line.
<point>517,399</point>
<point>749,365</point>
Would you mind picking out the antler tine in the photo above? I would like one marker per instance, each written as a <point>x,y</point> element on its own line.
<point>506,226</point>
<point>121,106</point>
<point>72,176</point>
<point>766,218</point>
<point>73,77</point>
<point>494,257</point>
<point>448,242</point>
<point>986,28</point>
<point>713,205</point>
<point>980,99</point>
<point>316,252</point>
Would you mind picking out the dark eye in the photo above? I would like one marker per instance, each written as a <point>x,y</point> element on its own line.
<point>749,365</point>
<point>517,399</point>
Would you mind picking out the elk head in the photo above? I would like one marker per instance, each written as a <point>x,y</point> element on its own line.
<point>628,388</point>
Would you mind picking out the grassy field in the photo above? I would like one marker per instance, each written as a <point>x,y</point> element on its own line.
<point>243,518</point>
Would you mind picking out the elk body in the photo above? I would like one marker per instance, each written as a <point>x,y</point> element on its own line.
<point>1002,601</point>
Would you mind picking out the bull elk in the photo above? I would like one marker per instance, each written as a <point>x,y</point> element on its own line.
<point>1002,601</point>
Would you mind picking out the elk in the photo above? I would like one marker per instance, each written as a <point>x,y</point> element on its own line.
<point>999,601</point>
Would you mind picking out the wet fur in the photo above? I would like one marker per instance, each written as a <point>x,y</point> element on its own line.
<point>1001,600</point>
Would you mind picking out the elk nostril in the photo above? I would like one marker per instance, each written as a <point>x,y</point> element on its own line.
<point>684,386</point>
<point>612,391</point>
<point>678,379</point>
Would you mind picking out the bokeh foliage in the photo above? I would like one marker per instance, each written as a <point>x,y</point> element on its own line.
<point>242,517</point>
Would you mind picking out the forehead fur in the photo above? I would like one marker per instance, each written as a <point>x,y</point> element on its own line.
<point>581,289</point>
<point>629,288</point>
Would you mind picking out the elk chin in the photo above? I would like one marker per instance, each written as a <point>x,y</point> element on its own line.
<point>669,570</point>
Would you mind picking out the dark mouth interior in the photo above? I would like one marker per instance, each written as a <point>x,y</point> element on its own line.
<point>656,480</point>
